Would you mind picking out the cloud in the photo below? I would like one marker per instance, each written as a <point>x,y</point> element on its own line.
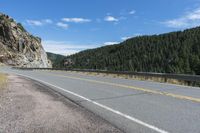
<point>176,23</point>
<point>111,43</point>
<point>39,22</point>
<point>63,47</point>
<point>111,19</point>
<point>125,38</point>
<point>190,19</point>
<point>128,37</point>
<point>195,15</point>
<point>34,22</point>
<point>48,21</point>
<point>76,20</point>
<point>62,25</point>
<point>132,12</point>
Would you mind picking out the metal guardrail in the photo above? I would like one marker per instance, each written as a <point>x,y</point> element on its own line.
<point>180,77</point>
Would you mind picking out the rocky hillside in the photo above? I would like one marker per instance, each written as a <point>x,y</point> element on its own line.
<point>18,47</point>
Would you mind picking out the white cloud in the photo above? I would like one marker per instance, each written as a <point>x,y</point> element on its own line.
<point>34,22</point>
<point>48,21</point>
<point>39,22</point>
<point>176,23</point>
<point>132,12</point>
<point>76,20</point>
<point>111,19</point>
<point>110,43</point>
<point>62,25</point>
<point>195,15</point>
<point>125,38</point>
<point>128,37</point>
<point>64,48</point>
<point>190,19</point>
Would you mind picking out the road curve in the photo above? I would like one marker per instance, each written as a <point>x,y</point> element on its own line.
<point>131,105</point>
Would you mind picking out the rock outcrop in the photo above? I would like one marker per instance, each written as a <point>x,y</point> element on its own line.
<point>18,47</point>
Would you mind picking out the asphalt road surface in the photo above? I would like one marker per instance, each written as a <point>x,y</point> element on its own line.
<point>131,105</point>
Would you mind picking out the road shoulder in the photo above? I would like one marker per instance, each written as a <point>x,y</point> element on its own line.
<point>28,106</point>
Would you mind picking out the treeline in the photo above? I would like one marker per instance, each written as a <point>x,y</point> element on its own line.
<point>56,59</point>
<point>176,52</point>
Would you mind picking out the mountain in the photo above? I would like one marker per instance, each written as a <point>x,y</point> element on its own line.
<point>175,52</point>
<point>18,47</point>
<point>56,59</point>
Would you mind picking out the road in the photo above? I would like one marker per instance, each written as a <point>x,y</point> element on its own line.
<point>131,105</point>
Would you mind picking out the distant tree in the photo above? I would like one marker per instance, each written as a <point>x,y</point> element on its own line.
<point>21,27</point>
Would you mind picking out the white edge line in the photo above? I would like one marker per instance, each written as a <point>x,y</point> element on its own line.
<point>102,106</point>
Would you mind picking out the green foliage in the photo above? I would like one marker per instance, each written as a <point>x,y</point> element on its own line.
<point>36,38</point>
<point>176,52</point>
<point>56,59</point>
<point>1,17</point>
<point>21,27</point>
<point>12,20</point>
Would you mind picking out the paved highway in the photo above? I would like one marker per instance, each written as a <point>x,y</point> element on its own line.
<point>131,105</point>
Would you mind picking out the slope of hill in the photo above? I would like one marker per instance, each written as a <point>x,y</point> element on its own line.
<point>18,47</point>
<point>56,59</point>
<point>176,52</point>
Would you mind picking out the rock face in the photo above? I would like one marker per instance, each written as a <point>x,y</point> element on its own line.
<point>18,47</point>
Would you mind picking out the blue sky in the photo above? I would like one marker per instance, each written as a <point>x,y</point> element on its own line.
<point>68,26</point>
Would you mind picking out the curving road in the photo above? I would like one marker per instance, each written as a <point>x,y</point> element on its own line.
<point>131,105</point>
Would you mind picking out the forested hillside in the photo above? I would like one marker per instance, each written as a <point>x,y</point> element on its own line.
<point>176,52</point>
<point>56,59</point>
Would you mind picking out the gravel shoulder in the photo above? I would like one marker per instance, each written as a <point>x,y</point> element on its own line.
<point>28,106</point>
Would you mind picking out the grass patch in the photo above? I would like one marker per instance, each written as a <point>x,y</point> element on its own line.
<point>3,80</point>
<point>143,78</point>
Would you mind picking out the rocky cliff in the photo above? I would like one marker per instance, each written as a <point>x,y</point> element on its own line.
<point>18,47</point>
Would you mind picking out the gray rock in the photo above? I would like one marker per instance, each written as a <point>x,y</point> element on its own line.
<point>18,47</point>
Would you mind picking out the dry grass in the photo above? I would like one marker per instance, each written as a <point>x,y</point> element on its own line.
<point>159,79</point>
<point>135,77</point>
<point>3,80</point>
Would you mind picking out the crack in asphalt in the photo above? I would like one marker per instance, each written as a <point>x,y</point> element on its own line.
<point>116,97</point>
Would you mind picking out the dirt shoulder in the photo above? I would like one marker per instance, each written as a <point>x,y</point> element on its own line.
<point>28,106</point>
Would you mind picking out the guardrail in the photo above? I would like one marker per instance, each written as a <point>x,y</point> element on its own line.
<point>190,79</point>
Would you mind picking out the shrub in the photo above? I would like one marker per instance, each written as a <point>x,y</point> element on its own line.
<point>21,27</point>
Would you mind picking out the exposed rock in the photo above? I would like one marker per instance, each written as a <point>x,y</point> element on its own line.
<point>18,47</point>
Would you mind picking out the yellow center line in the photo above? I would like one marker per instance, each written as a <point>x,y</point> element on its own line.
<point>135,88</point>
